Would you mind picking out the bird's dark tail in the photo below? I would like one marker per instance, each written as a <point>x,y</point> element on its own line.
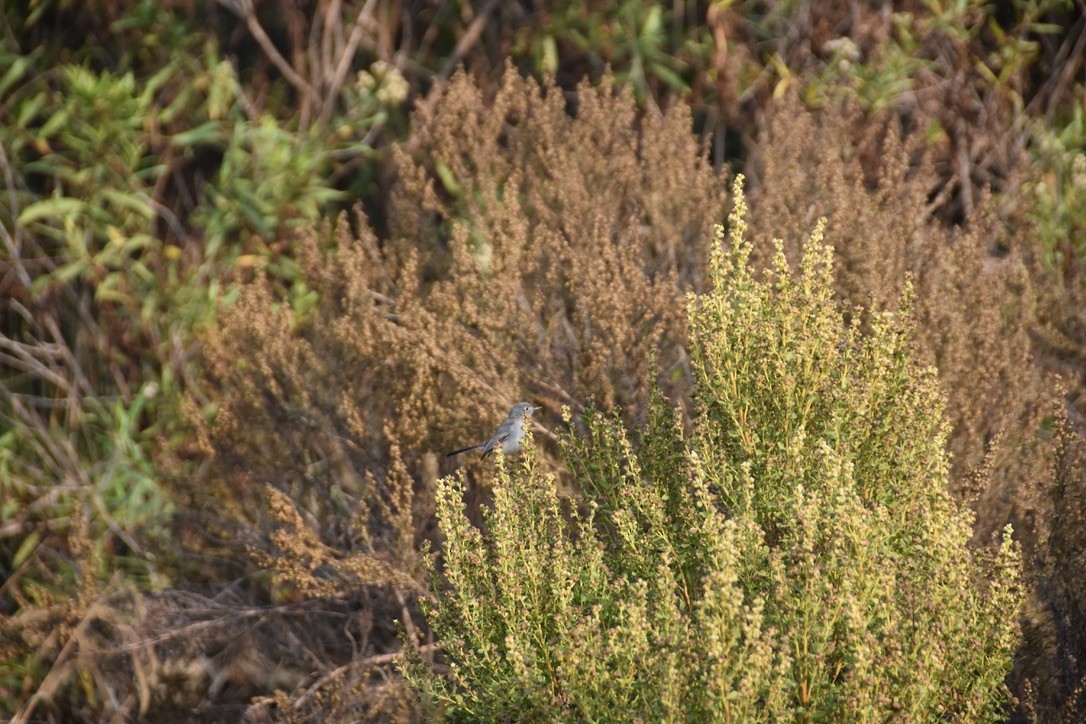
<point>464,449</point>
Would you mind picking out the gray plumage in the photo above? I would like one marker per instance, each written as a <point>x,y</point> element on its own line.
<point>509,434</point>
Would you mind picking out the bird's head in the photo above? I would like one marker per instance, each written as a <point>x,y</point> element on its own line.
<point>522,409</point>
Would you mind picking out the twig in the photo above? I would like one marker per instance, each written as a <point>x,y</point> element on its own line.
<point>378,660</point>
<point>408,624</point>
<point>345,62</point>
<point>191,629</point>
<point>244,10</point>
<point>166,214</point>
<point>11,240</point>
<point>467,40</point>
<point>51,681</point>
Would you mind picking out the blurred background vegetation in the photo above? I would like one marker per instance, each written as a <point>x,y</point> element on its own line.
<point>196,195</point>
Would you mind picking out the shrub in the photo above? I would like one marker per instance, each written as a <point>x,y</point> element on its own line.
<point>563,244</point>
<point>97,318</point>
<point>797,554</point>
<point>994,321</point>
<point>545,269</point>
<point>518,266</point>
<point>975,304</point>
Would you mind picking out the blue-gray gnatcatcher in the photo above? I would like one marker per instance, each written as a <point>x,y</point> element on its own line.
<point>509,434</point>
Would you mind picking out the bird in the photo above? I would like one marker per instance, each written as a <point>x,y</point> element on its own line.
<point>509,433</point>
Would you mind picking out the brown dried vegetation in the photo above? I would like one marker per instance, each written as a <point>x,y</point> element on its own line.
<point>522,265</point>
<point>532,255</point>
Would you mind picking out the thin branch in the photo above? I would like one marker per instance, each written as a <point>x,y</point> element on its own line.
<point>378,660</point>
<point>345,62</point>
<point>467,40</point>
<point>11,239</point>
<point>244,10</point>
<point>56,675</point>
<point>441,80</point>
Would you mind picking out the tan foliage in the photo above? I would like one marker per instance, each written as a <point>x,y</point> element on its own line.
<point>973,288</point>
<point>533,255</point>
<point>564,244</point>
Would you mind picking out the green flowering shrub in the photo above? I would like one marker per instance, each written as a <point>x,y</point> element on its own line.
<point>794,555</point>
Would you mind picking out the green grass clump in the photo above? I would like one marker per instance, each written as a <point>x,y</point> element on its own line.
<point>795,555</point>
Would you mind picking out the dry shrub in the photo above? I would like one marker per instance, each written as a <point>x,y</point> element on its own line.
<point>974,295</point>
<point>71,634</point>
<point>553,273</point>
<point>980,305</point>
<point>560,247</point>
<point>1049,679</point>
<point>532,255</point>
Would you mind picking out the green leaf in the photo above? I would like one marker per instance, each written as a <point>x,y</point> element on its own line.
<point>550,55</point>
<point>651,25</point>
<point>155,82</point>
<point>109,295</point>
<point>54,207</point>
<point>210,133</point>
<point>447,178</point>
<point>70,271</point>
<point>179,106</point>
<point>129,201</point>
<point>54,123</point>
<point>670,77</point>
<point>28,110</point>
<point>27,547</point>
<point>223,91</point>
<point>1046,28</point>
<point>15,71</point>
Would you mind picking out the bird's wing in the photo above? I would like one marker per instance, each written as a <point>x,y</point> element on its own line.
<point>499,437</point>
